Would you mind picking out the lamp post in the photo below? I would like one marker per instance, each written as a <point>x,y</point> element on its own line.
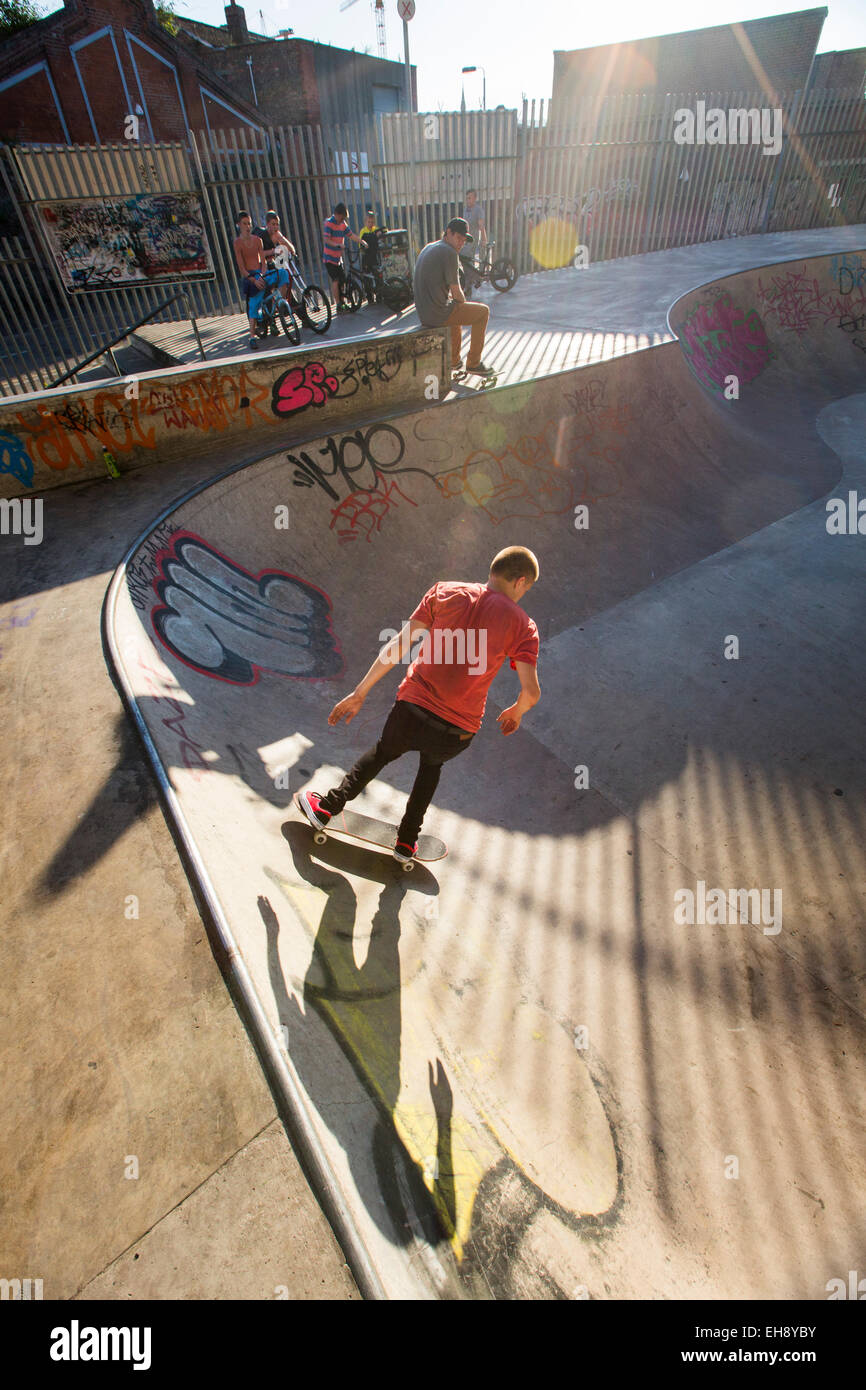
<point>480,69</point>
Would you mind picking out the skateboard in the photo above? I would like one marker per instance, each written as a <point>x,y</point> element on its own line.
<point>375,832</point>
<point>484,383</point>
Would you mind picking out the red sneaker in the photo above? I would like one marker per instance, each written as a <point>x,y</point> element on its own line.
<point>309,803</point>
<point>404,852</point>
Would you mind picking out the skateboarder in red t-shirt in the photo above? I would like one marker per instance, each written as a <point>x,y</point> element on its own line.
<point>470,629</point>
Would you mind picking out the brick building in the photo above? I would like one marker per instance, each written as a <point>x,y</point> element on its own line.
<point>74,76</point>
<point>775,55</point>
<point>294,81</point>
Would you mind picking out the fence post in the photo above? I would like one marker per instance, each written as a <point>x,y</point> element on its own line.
<point>660,145</point>
<point>795,121</point>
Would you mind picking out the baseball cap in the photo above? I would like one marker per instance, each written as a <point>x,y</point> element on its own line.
<point>459,224</point>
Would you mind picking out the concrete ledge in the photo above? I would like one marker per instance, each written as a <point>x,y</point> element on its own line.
<point>50,438</point>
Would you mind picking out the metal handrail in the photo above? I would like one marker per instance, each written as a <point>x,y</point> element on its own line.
<point>106,349</point>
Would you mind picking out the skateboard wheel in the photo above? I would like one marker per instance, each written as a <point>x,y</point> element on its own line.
<point>407,868</point>
<point>320,837</point>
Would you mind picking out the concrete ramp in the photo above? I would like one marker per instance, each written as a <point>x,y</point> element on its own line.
<point>520,1073</point>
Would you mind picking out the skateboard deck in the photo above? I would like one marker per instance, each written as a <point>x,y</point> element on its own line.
<point>484,383</point>
<point>375,832</point>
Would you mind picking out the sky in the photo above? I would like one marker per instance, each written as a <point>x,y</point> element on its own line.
<point>512,40</point>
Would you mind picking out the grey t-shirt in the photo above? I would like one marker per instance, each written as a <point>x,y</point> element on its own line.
<point>474,216</point>
<point>436,269</point>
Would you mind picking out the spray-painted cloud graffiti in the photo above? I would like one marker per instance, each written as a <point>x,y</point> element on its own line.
<point>228,623</point>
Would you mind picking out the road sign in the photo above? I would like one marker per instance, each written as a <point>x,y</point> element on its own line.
<point>406,9</point>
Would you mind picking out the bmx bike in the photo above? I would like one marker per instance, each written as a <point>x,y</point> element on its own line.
<point>310,303</point>
<point>501,273</point>
<point>268,309</point>
<point>368,281</point>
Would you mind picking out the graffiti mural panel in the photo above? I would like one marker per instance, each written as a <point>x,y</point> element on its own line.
<point>107,243</point>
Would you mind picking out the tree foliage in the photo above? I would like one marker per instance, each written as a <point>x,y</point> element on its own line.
<point>166,15</point>
<point>17,14</point>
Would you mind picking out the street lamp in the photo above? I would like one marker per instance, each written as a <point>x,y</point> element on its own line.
<point>484,84</point>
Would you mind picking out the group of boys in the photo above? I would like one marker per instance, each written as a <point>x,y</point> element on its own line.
<point>255,250</point>
<point>439,298</point>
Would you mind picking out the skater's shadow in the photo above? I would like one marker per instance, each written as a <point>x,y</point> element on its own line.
<point>361,1007</point>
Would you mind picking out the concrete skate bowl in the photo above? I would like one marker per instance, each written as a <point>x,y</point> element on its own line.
<point>483,1062</point>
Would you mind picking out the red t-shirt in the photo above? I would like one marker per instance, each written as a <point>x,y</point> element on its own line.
<point>472,631</point>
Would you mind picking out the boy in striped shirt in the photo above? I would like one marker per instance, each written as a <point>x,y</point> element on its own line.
<point>336,229</point>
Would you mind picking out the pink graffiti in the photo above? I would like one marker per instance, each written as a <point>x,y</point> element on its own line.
<point>720,340</point>
<point>301,387</point>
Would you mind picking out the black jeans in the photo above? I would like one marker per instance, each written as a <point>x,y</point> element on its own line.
<point>404,732</point>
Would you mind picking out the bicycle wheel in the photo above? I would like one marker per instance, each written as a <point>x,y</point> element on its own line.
<point>289,322</point>
<point>352,296</point>
<point>396,293</point>
<point>316,309</point>
<point>503,276</point>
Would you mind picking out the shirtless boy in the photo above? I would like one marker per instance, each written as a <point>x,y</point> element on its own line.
<point>250,257</point>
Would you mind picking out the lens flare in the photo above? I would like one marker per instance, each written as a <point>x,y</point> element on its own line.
<point>552,242</point>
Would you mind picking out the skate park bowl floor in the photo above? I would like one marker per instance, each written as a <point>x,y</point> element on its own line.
<point>612,1046</point>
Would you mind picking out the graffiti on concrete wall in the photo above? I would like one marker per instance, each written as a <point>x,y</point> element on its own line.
<point>520,480</point>
<point>143,568</point>
<point>71,431</point>
<point>310,384</point>
<point>719,339</point>
<point>362,513</point>
<point>797,299</point>
<point>849,272</point>
<point>75,433</point>
<point>225,622</point>
<point>301,387</point>
<point>107,243</point>
<point>14,459</point>
<point>355,471</point>
<point>172,714</point>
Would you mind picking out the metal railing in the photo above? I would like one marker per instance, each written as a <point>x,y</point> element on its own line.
<point>106,349</point>
<point>608,174</point>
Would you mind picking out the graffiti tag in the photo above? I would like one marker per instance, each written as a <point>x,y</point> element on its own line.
<point>14,460</point>
<point>797,300</point>
<point>379,450</point>
<point>301,387</point>
<point>363,512</point>
<point>79,431</point>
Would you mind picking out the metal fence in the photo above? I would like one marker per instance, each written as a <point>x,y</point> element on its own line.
<point>606,174</point>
